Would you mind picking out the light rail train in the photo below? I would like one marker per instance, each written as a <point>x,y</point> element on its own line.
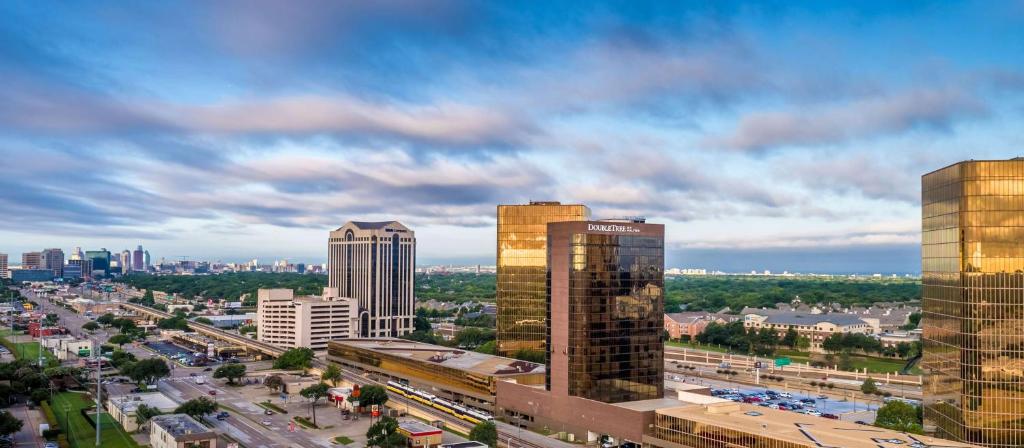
<point>474,416</point>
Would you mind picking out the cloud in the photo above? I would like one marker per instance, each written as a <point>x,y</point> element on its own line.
<point>870,175</point>
<point>865,118</point>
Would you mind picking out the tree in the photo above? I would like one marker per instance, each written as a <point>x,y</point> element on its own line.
<point>899,416</point>
<point>124,325</point>
<point>120,357</point>
<point>203,320</point>
<point>421,324</point>
<point>486,433</point>
<point>144,412</point>
<point>370,395</point>
<point>489,347</point>
<point>106,319</point>
<point>803,343</point>
<point>833,343</point>
<point>230,371</point>
<point>296,358</point>
<point>868,386</point>
<point>314,393</point>
<point>332,373</point>
<point>197,408</point>
<point>845,362</point>
<point>247,329</point>
<point>273,382</point>
<point>91,326</point>
<point>9,424</point>
<point>791,337</point>
<point>147,370</point>
<point>120,339</point>
<point>385,433</point>
<point>173,323</point>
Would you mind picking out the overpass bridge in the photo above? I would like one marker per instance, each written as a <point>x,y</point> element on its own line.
<point>209,330</point>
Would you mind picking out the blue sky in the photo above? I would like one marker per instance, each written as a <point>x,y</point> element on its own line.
<point>764,135</point>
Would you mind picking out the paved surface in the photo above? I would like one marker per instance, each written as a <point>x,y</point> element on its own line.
<point>28,436</point>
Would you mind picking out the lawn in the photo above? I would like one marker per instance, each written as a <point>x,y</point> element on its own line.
<point>80,434</point>
<point>695,346</point>
<point>874,365</point>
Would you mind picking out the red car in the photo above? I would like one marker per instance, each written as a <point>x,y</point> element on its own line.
<point>831,416</point>
<point>213,392</point>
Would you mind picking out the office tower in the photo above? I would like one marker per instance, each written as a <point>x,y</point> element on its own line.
<point>522,273</point>
<point>606,308</point>
<point>125,261</point>
<point>374,263</point>
<point>53,259</point>
<point>146,260</point>
<point>307,321</point>
<point>76,254</point>
<point>31,260</point>
<point>80,268</point>
<point>100,260</point>
<point>3,266</point>
<point>972,265</point>
<point>138,259</point>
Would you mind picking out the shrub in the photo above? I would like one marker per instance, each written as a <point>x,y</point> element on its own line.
<point>51,434</point>
<point>830,385</point>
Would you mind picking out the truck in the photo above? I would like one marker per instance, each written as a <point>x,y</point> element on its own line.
<point>200,380</point>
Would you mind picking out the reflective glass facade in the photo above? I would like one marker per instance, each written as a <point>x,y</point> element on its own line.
<point>522,271</point>
<point>973,301</point>
<point>606,303</point>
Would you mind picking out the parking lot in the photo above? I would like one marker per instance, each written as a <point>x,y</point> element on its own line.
<point>175,352</point>
<point>820,406</point>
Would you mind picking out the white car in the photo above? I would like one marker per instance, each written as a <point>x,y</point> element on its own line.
<point>814,413</point>
<point>266,422</point>
<point>786,395</point>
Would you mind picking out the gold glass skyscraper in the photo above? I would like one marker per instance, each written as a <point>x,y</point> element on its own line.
<point>972,252</point>
<point>522,273</point>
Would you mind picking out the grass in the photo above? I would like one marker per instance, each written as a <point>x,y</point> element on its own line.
<point>305,422</point>
<point>29,351</point>
<point>80,434</point>
<point>272,407</point>
<point>9,332</point>
<point>873,364</point>
<point>695,346</point>
<point>343,440</point>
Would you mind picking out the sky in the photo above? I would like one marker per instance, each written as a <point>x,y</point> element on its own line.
<point>764,135</point>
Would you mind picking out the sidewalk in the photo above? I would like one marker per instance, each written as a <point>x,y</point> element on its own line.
<point>29,434</point>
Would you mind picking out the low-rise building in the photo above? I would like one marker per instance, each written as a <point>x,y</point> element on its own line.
<point>122,408</point>
<point>306,321</point>
<point>179,431</point>
<point>815,327</point>
<point>420,434</point>
<point>690,324</point>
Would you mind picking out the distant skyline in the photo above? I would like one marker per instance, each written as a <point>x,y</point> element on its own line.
<point>771,136</point>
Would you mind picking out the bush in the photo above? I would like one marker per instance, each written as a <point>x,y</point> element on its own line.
<point>831,385</point>
<point>814,384</point>
<point>51,434</point>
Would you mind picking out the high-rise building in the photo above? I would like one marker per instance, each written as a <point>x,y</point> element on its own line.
<point>3,266</point>
<point>374,263</point>
<point>972,264</point>
<point>31,260</point>
<point>138,259</point>
<point>53,259</point>
<point>80,268</point>
<point>147,262</point>
<point>76,254</point>
<point>288,321</point>
<point>100,260</point>
<point>606,308</point>
<point>125,262</point>
<point>522,273</point>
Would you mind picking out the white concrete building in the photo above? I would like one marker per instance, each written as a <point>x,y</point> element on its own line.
<point>306,321</point>
<point>179,431</point>
<point>122,407</point>
<point>375,263</point>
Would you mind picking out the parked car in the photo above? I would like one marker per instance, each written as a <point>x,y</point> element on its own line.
<point>266,422</point>
<point>830,416</point>
<point>268,412</point>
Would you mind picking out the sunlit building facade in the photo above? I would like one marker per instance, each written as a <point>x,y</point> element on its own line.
<point>606,309</point>
<point>972,248</point>
<point>522,272</point>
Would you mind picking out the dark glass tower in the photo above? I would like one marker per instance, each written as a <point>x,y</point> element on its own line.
<point>605,308</point>
<point>972,263</point>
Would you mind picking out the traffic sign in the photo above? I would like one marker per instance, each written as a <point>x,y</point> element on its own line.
<point>375,410</point>
<point>779,362</point>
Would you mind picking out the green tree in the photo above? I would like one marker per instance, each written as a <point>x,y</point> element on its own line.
<point>124,325</point>
<point>197,408</point>
<point>147,370</point>
<point>803,343</point>
<point>385,433</point>
<point>203,320</point>
<point>486,433</point>
<point>332,373</point>
<point>120,357</point>
<point>106,319</point>
<point>791,337</point>
<point>173,323</point>
<point>230,371</point>
<point>370,395</point>
<point>296,358</point>
<point>247,329</point>
<point>868,386</point>
<point>91,326</point>
<point>833,343</point>
<point>145,412</point>
<point>314,393</point>
<point>9,424</point>
<point>421,324</point>
<point>899,416</point>
<point>273,382</point>
<point>120,339</point>
<point>472,337</point>
<point>489,347</point>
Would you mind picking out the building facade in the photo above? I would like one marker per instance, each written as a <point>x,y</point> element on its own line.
<point>32,260</point>
<point>688,325</point>
<point>972,249</point>
<point>288,321</point>
<point>606,308</point>
<point>522,272</point>
<point>180,431</point>
<point>375,264</point>
<point>815,327</point>
<point>100,261</point>
<point>53,259</point>
<point>4,273</point>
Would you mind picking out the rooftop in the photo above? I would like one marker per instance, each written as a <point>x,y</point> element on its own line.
<point>179,425</point>
<point>811,319</point>
<point>414,427</point>
<point>804,430</point>
<point>446,356</point>
<point>130,402</point>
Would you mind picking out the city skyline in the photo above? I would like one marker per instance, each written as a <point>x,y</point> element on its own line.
<point>699,117</point>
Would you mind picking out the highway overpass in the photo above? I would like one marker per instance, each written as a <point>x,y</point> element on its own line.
<point>211,331</point>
